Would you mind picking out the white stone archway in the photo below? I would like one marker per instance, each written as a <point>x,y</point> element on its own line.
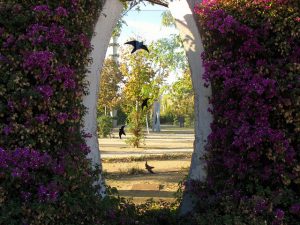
<point>182,11</point>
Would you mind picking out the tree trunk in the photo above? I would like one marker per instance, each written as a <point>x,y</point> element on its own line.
<point>113,114</point>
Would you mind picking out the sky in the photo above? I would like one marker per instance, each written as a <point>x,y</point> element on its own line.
<point>145,25</point>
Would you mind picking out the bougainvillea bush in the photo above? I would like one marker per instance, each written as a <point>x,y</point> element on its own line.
<point>252,59</point>
<point>45,177</point>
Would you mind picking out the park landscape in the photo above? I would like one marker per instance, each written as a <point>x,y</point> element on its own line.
<point>63,157</point>
<point>168,151</point>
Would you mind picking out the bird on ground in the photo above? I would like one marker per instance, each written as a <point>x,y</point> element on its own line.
<point>121,131</point>
<point>145,103</point>
<point>137,45</point>
<point>149,168</point>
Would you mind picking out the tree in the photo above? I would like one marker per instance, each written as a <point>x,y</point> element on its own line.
<point>140,83</point>
<point>167,19</point>
<point>111,79</point>
<point>180,101</point>
<point>167,56</point>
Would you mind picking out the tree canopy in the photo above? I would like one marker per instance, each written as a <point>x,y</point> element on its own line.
<point>111,79</point>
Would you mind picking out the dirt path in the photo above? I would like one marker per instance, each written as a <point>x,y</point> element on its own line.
<point>170,151</point>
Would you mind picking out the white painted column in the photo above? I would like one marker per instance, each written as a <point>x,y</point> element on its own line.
<point>156,116</point>
<point>185,22</point>
<point>110,14</point>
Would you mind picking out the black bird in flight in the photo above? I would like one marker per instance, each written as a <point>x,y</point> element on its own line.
<point>149,168</point>
<point>137,45</point>
<point>145,103</point>
<point>121,131</point>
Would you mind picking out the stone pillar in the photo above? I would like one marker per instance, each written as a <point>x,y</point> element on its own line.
<point>113,114</point>
<point>182,11</point>
<point>107,20</point>
<point>156,117</point>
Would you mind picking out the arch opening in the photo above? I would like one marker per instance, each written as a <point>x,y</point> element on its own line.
<point>182,11</point>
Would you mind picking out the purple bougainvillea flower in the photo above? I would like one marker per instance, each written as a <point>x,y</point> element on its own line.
<point>42,118</point>
<point>9,41</point>
<point>3,158</point>
<point>1,31</point>
<point>279,214</point>
<point>64,73</point>
<point>61,117</point>
<point>39,60</point>
<point>58,168</point>
<point>87,135</point>
<point>3,58</point>
<point>61,11</point>
<point>261,205</point>
<point>24,102</point>
<point>7,130</point>
<point>16,172</point>
<point>42,8</point>
<point>48,192</point>
<point>35,33</point>
<point>57,35</point>
<point>84,41</point>
<point>26,195</point>
<point>69,84</point>
<point>295,209</point>
<point>85,149</point>
<point>74,2</point>
<point>290,155</point>
<point>46,91</point>
<point>75,116</point>
<point>10,105</point>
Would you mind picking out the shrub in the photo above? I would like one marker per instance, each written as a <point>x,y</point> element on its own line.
<point>136,128</point>
<point>167,118</point>
<point>45,177</point>
<point>251,59</point>
<point>105,125</point>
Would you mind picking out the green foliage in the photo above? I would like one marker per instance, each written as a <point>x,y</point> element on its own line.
<point>121,116</point>
<point>45,177</point>
<point>105,125</point>
<point>167,117</point>
<point>118,28</point>
<point>179,102</point>
<point>111,79</point>
<point>251,60</point>
<point>140,83</point>
<point>167,55</point>
<point>136,128</point>
<point>167,19</point>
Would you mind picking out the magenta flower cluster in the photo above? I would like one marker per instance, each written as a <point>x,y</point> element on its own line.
<point>43,55</point>
<point>253,140</point>
<point>24,165</point>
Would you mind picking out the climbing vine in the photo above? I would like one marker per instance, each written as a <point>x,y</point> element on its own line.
<point>44,174</point>
<point>251,59</point>
<point>252,62</point>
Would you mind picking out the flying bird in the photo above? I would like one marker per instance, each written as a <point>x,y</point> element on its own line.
<point>145,103</point>
<point>121,131</point>
<point>137,45</point>
<point>149,168</point>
